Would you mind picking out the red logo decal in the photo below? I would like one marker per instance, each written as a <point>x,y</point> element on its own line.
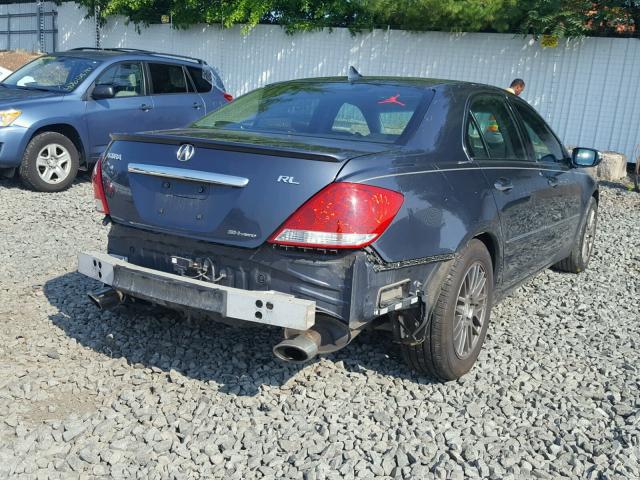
<point>393,99</point>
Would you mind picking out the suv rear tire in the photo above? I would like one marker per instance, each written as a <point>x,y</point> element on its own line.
<point>50,163</point>
<point>462,311</point>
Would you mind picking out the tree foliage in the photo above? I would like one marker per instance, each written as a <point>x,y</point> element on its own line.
<point>568,18</point>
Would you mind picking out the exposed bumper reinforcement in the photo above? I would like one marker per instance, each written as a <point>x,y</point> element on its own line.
<point>265,307</point>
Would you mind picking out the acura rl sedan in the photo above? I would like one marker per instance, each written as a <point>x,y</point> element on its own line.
<point>327,206</point>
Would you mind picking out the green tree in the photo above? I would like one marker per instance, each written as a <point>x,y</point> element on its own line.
<point>554,17</point>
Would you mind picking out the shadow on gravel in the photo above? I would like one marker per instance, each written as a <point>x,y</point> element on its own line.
<point>614,185</point>
<point>238,360</point>
<point>15,183</point>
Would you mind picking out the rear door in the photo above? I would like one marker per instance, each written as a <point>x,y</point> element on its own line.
<point>494,141</point>
<point>176,103</point>
<point>129,111</point>
<point>210,90</point>
<point>560,204</point>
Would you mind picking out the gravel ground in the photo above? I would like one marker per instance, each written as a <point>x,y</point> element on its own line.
<point>136,393</point>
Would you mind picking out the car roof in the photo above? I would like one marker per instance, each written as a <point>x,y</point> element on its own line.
<point>128,54</point>
<point>434,83</point>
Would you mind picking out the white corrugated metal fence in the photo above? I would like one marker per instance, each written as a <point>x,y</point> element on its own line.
<point>587,89</point>
<point>28,26</point>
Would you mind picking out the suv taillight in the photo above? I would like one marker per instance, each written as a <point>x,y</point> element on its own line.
<point>342,215</point>
<point>99,197</point>
<point>228,97</point>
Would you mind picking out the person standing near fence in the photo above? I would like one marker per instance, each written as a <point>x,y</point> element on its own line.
<point>516,87</point>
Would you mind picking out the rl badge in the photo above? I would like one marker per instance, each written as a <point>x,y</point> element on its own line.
<point>287,179</point>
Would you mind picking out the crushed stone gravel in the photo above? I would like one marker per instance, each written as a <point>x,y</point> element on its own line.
<point>144,393</point>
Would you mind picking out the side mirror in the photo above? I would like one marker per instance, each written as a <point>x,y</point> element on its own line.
<point>585,157</point>
<point>103,91</point>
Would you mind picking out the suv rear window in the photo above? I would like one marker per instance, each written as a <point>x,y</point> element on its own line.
<point>167,78</point>
<point>202,84</point>
<point>375,112</point>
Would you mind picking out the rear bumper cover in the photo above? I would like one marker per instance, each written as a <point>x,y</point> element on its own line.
<point>344,284</point>
<point>266,307</point>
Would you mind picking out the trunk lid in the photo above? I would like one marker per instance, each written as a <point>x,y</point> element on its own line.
<point>236,188</point>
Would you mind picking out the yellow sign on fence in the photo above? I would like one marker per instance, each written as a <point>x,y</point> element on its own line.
<point>549,41</point>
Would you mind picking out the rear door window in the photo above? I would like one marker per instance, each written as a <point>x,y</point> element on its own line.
<point>167,78</point>
<point>544,144</point>
<point>497,128</point>
<point>475,145</point>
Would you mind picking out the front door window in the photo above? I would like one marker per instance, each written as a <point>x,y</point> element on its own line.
<point>126,79</point>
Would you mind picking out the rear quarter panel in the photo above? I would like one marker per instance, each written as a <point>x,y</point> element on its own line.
<point>447,200</point>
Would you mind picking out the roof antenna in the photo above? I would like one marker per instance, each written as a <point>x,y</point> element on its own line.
<point>353,74</point>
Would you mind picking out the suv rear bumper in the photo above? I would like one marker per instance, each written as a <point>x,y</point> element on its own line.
<point>265,307</point>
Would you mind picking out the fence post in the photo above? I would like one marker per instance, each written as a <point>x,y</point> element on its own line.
<point>8,30</point>
<point>96,16</point>
<point>40,25</point>
<point>54,26</point>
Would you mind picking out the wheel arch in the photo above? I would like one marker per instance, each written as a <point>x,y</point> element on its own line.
<point>68,131</point>
<point>490,241</point>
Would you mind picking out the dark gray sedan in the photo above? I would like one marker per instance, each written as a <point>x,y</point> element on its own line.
<point>327,206</point>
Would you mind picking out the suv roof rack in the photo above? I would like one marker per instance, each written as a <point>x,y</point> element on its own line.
<point>137,50</point>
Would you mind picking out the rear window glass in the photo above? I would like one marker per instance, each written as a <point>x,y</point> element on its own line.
<point>167,78</point>
<point>202,84</point>
<point>360,111</point>
<point>350,119</point>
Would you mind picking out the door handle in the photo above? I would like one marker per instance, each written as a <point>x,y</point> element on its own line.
<point>197,106</point>
<point>503,184</point>
<point>145,107</point>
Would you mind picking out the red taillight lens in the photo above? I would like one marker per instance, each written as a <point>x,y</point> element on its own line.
<point>99,197</point>
<point>228,97</point>
<point>342,215</point>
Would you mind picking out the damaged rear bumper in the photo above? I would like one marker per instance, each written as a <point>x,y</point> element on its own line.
<point>265,307</point>
<point>352,286</point>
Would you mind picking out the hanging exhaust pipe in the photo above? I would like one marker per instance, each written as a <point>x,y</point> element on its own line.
<point>299,349</point>
<point>326,336</point>
<point>106,298</point>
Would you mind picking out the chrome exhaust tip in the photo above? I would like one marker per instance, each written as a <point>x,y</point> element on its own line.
<point>106,298</point>
<point>299,349</point>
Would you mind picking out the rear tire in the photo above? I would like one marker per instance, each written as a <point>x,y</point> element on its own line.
<point>578,260</point>
<point>459,319</point>
<point>50,163</point>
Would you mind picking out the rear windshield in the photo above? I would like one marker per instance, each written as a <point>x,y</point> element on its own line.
<point>361,111</point>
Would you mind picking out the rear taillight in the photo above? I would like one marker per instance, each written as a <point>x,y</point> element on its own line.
<point>342,215</point>
<point>99,197</point>
<point>228,97</point>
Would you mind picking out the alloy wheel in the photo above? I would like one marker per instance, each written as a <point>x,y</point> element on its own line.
<point>53,163</point>
<point>470,310</point>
